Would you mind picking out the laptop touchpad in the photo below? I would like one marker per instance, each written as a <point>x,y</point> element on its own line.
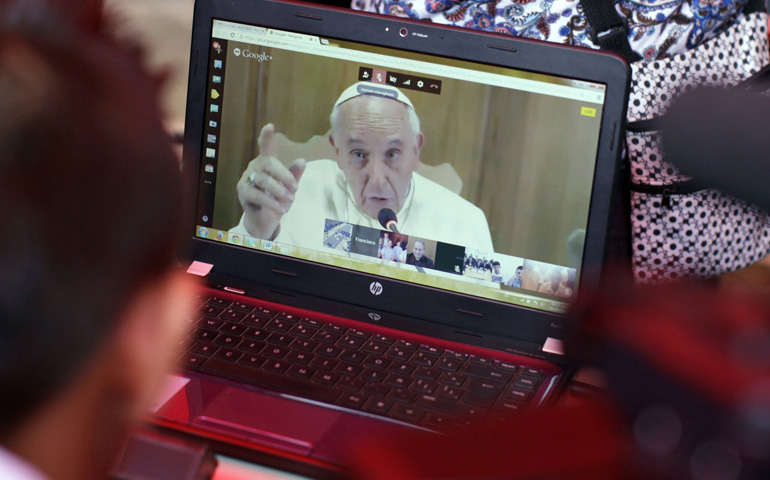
<point>277,422</point>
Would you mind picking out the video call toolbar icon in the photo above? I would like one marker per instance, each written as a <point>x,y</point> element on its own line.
<point>400,80</point>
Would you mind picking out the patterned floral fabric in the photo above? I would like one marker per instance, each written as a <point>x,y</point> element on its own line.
<point>658,28</point>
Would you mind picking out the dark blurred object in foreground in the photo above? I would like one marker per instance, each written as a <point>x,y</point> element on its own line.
<point>689,366</point>
<point>721,137</point>
<point>687,371</point>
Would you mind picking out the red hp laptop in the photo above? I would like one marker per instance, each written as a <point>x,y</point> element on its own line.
<point>391,220</point>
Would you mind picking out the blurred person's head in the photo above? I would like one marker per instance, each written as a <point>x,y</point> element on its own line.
<point>91,199</point>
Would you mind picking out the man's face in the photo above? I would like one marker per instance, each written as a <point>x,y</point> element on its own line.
<point>377,150</point>
<point>418,250</point>
<point>497,268</point>
<point>518,274</point>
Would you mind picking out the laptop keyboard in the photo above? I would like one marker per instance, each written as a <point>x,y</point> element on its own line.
<point>416,383</point>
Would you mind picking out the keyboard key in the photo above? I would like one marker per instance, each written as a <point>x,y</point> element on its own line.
<point>527,382</point>
<point>354,343</point>
<point>402,396</point>
<point>303,331</point>
<point>378,391</point>
<point>483,393</point>
<point>439,421</point>
<point>228,354</point>
<point>310,322</point>
<point>233,329</point>
<point>350,370</point>
<point>424,386</point>
<point>352,384</point>
<point>432,350</point>
<point>400,353</point>
<point>326,378</point>
<point>256,319</point>
<point>484,372</point>
<point>304,345</point>
<point>250,346</point>
<point>511,407</point>
<point>324,363</point>
<point>288,317</point>
<point>431,374</point>
<point>335,328</point>
<point>383,339</point>
<point>360,334</point>
<point>426,359</point>
<point>278,366</point>
<point>280,339</point>
<point>191,361</point>
<point>280,325</point>
<point>399,381</point>
<point>329,351</point>
<point>210,323</point>
<point>378,407</point>
<point>410,414</point>
<point>507,366</point>
<point>255,361</point>
<point>233,315</point>
<point>231,341</point>
<point>327,337</point>
<point>202,348</point>
<point>374,376</point>
<point>378,363</point>
<point>352,400</point>
<point>452,379</point>
<point>449,364</point>
<point>255,334</point>
<point>352,357</point>
<point>456,408</point>
<point>519,394</point>
<point>205,335</point>
<point>452,393</point>
<point>220,302</point>
<point>402,368</point>
<point>375,348</point>
<point>483,361</point>
<point>302,358</point>
<point>242,306</point>
<point>301,372</point>
<point>211,310</point>
<point>532,372</point>
<point>275,351</point>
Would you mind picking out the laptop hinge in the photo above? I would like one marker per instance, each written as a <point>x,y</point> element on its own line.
<point>553,345</point>
<point>199,268</point>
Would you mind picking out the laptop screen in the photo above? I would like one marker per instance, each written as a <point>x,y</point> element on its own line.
<point>462,177</point>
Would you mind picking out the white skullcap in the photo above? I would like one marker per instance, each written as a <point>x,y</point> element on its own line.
<point>375,89</point>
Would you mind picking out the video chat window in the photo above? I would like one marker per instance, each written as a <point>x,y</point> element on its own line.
<point>524,159</point>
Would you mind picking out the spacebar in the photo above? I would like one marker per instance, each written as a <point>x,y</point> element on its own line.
<point>261,378</point>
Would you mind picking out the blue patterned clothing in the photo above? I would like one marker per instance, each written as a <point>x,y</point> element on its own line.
<point>658,28</point>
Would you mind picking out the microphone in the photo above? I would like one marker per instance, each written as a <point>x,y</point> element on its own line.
<point>387,218</point>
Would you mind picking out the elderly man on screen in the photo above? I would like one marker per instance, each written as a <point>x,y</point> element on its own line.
<point>376,137</point>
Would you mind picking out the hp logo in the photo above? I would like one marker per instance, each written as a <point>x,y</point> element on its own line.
<point>375,288</point>
<point>375,316</point>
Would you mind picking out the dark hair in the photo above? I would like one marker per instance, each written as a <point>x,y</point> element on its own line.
<point>91,202</point>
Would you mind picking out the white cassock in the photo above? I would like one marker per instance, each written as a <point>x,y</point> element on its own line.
<point>431,211</point>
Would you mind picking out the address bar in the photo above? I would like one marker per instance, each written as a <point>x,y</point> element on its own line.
<point>388,61</point>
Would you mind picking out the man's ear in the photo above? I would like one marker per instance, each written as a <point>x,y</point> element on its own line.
<point>152,327</point>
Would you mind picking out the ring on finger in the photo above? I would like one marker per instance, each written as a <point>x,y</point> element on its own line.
<point>252,179</point>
